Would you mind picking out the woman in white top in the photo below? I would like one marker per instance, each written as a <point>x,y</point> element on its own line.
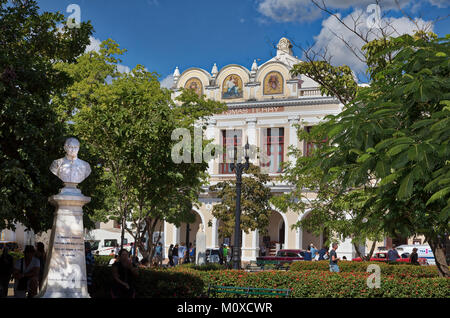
<point>26,274</point>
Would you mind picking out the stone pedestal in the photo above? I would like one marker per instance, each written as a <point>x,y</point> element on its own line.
<point>200,248</point>
<point>65,272</point>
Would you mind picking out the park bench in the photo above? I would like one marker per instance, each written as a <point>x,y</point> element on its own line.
<point>253,267</point>
<point>247,291</point>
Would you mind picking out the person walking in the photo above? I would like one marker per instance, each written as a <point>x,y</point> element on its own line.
<point>191,253</point>
<point>314,252</point>
<point>414,257</point>
<point>181,253</point>
<point>123,272</point>
<point>90,263</point>
<point>225,254</point>
<point>322,253</point>
<point>334,259</point>
<point>41,256</point>
<point>170,255</point>
<point>307,254</point>
<point>393,255</point>
<point>221,254</point>
<point>158,252</point>
<point>263,250</point>
<point>6,270</point>
<point>26,274</point>
<point>175,255</point>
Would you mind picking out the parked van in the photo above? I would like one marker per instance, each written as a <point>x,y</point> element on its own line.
<point>424,251</point>
<point>104,241</point>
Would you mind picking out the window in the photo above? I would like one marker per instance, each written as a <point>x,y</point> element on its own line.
<point>273,146</point>
<point>230,140</point>
<point>110,243</point>
<point>309,145</point>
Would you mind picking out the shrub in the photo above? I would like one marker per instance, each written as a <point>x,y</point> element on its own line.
<point>151,283</point>
<point>313,284</point>
<point>204,267</point>
<point>102,259</point>
<point>386,269</point>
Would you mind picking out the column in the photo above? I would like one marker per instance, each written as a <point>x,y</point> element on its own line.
<point>293,139</point>
<point>210,134</point>
<point>251,134</point>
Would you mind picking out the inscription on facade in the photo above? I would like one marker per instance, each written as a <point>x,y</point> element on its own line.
<point>239,111</point>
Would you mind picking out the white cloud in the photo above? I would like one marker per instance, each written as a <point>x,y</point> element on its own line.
<point>123,68</point>
<point>94,45</point>
<point>306,11</point>
<point>339,51</point>
<point>167,82</point>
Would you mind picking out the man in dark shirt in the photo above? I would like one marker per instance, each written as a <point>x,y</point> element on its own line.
<point>414,257</point>
<point>334,259</point>
<point>393,254</point>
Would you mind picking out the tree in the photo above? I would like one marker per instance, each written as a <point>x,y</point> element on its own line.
<point>31,136</point>
<point>391,141</point>
<point>331,210</point>
<point>126,122</point>
<point>255,203</point>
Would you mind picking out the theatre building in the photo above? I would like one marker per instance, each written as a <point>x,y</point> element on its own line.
<point>265,104</point>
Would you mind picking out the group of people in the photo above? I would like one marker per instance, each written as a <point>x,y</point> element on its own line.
<point>393,255</point>
<point>180,254</point>
<point>27,272</point>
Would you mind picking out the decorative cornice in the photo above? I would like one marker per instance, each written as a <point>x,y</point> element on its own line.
<point>285,102</point>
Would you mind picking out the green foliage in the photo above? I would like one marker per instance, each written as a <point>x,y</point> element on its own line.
<point>389,147</point>
<point>151,284</point>
<point>31,136</point>
<point>255,203</point>
<point>360,267</point>
<point>125,123</point>
<point>102,260</point>
<point>204,267</point>
<point>338,81</point>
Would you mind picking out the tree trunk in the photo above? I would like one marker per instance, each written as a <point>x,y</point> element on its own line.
<point>372,249</point>
<point>358,252</point>
<point>438,248</point>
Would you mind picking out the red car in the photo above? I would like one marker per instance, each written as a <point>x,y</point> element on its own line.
<point>282,257</point>
<point>383,257</point>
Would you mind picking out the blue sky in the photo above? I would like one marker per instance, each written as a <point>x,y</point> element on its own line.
<point>162,34</point>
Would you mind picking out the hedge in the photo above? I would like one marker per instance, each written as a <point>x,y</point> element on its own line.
<point>102,259</point>
<point>313,284</point>
<point>185,282</point>
<point>151,283</point>
<point>386,269</point>
<point>204,267</point>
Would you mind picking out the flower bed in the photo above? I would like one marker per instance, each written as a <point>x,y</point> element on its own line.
<point>186,282</point>
<point>386,269</point>
<point>313,284</point>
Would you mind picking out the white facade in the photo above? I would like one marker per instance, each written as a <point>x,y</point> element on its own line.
<point>263,101</point>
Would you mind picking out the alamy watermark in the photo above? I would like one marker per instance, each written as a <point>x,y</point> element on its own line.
<point>374,19</point>
<point>374,279</point>
<point>74,20</point>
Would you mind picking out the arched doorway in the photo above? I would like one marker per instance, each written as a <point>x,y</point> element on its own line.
<point>188,233</point>
<point>306,238</point>
<point>275,234</point>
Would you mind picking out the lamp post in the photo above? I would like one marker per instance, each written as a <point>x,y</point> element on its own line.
<point>238,168</point>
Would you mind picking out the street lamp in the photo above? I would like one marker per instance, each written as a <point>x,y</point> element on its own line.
<point>238,168</point>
